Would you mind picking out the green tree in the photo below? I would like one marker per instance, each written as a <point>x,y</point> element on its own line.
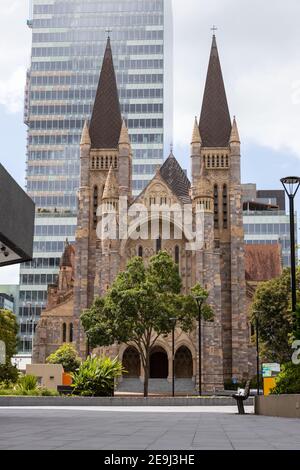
<point>9,336</point>
<point>272,307</point>
<point>9,332</point>
<point>288,381</point>
<point>67,356</point>
<point>140,306</point>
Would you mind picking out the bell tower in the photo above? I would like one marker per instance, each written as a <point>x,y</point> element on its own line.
<point>217,153</point>
<point>105,174</point>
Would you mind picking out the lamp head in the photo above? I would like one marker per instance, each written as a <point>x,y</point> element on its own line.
<point>199,299</point>
<point>291,185</point>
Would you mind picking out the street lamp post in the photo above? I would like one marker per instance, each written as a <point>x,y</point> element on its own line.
<point>257,356</point>
<point>291,185</point>
<point>173,320</point>
<point>200,299</point>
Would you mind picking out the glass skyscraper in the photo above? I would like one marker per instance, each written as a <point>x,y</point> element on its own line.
<point>68,40</point>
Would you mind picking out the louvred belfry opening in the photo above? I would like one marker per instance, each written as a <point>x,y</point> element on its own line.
<point>215,122</point>
<point>106,121</point>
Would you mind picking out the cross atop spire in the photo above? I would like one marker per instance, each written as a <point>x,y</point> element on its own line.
<point>108,31</point>
<point>106,121</point>
<point>214,29</point>
<point>215,122</point>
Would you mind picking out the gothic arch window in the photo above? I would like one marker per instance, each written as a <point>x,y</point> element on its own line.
<point>177,253</point>
<point>64,333</point>
<point>140,252</point>
<point>216,206</point>
<point>71,333</point>
<point>225,207</point>
<point>95,205</point>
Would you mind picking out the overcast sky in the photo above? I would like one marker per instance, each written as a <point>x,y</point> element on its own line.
<point>259,44</point>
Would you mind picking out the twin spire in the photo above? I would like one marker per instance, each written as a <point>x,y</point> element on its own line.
<point>215,128</point>
<point>107,130</point>
<point>215,122</point>
<point>106,121</point>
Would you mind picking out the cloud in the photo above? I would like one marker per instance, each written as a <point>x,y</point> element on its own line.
<point>12,91</point>
<point>9,275</point>
<point>258,45</point>
<point>14,53</point>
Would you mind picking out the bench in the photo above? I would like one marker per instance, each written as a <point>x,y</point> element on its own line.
<point>65,389</point>
<point>242,396</point>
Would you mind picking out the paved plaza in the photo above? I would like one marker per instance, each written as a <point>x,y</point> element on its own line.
<point>144,429</point>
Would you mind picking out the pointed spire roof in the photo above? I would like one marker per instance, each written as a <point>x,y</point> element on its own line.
<point>174,176</point>
<point>235,137</point>
<point>215,121</point>
<point>111,188</point>
<point>66,258</point>
<point>196,137</point>
<point>85,136</point>
<point>124,136</point>
<point>106,121</point>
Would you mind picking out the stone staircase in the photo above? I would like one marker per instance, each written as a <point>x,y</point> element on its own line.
<point>128,385</point>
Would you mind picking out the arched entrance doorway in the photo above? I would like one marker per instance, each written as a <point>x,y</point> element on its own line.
<point>159,364</point>
<point>131,363</point>
<point>183,363</point>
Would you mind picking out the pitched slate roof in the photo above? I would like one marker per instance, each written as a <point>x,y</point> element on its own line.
<point>215,122</point>
<point>106,121</point>
<point>174,176</point>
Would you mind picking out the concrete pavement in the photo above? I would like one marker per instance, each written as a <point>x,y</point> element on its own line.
<point>151,428</point>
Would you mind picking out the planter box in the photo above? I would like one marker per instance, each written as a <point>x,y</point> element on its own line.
<point>284,406</point>
<point>118,401</point>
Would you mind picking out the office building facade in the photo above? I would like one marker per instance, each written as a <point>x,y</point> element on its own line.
<point>68,41</point>
<point>266,220</point>
<point>6,302</point>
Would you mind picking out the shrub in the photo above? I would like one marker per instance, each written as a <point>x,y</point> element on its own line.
<point>46,392</point>
<point>96,377</point>
<point>27,385</point>
<point>67,356</point>
<point>288,381</point>
<point>9,374</point>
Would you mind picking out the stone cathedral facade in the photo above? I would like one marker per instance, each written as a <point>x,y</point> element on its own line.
<point>106,168</point>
